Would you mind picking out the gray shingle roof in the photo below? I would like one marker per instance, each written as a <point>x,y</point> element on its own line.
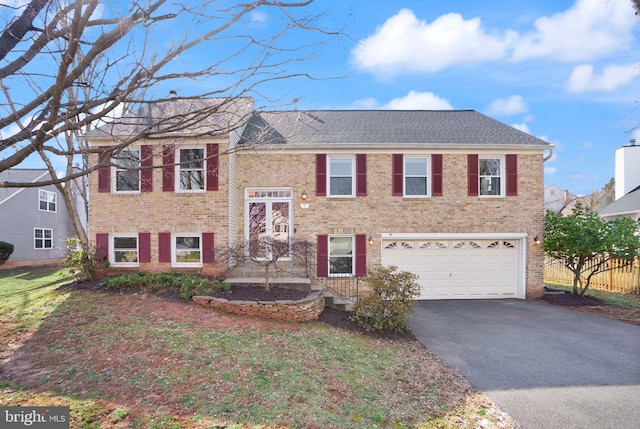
<point>384,128</point>
<point>19,175</point>
<point>629,203</point>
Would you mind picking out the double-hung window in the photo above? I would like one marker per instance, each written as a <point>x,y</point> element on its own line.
<point>127,171</point>
<point>341,255</point>
<point>416,176</point>
<point>187,250</point>
<point>42,238</point>
<point>191,170</point>
<point>47,200</point>
<point>341,176</point>
<point>491,173</point>
<point>124,250</point>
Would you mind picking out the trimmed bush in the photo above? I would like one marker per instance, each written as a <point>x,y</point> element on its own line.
<point>391,301</point>
<point>6,249</point>
<point>186,285</point>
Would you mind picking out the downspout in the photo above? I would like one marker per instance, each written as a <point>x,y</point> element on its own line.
<point>551,148</point>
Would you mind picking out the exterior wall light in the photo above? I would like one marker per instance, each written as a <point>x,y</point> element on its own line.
<point>304,195</point>
<point>370,240</point>
<point>537,240</point>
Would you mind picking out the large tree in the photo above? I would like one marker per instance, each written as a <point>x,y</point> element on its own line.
<point>69,65</point>
<point>586,243</point>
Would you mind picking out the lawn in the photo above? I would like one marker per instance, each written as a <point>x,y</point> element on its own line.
<point>142,361</point>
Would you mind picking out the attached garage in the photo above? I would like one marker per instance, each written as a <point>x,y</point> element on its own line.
<point>460,266</point>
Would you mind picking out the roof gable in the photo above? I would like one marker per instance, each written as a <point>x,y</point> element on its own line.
<point>627,204</point>
<point>18,175</point>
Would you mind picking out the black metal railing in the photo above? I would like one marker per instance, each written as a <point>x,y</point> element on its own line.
<point>346,286</point>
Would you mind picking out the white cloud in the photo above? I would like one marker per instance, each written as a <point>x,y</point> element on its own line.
<point>522,127</point>
<point>583,79</point>
<point>414,100</point>
<point>512,105</point>
<point>550,170</point>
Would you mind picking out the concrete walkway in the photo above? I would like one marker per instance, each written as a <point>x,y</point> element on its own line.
<point>546,366</point>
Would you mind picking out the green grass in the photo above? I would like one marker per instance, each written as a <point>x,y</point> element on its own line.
<point>613,298</point>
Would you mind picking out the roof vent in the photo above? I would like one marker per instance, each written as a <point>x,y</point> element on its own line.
<point>173,94</point>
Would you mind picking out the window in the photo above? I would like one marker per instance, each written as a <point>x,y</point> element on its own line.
<point>127,171</point>
<point>124,250</point>
<point>191,172</point>
<point>416,173</point>
<point>341,177</point>
<point>490,172</point>
<point>187,250</point>
<point>341,255</point>
<point>47,200</point>
<point>43,238</point>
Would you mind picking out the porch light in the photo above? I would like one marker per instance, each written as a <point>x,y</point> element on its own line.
<point>537,240</point>
<point>370,240</point>
<point>304,195</point>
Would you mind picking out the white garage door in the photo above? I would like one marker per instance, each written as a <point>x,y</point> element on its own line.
<point>459,268</point>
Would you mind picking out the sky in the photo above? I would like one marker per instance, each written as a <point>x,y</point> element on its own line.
<point>566,71</point>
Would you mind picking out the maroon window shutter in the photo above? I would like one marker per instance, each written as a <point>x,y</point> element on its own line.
<point>102,247</point>
<point>512,175</point>
<point>144,247</point>
<point>168,168</point>
<point>146,174</point>
<point>321,175</point>
<point>164,247</point>
<point>323,256</point>
<point>361,175</point>
<point>208,255</point>
<point>436,175</point>
<point>212,167</point>
<point>472,168</point>
<point>361,255</point>
<point>104,173</point>
<point>397,174</point>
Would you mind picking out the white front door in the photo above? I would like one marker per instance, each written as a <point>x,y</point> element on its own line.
<point>269,221</point>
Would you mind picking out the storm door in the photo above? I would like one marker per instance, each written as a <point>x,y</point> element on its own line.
<point>268,227</point>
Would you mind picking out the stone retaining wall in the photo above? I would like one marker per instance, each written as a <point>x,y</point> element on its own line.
<point>303,310</point>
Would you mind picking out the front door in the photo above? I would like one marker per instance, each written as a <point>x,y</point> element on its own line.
<point>268,227</point>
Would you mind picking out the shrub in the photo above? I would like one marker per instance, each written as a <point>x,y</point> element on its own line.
<point>185,284</point>
<point>82,261</point>
<point>389,305</point>
<point>6,249</point>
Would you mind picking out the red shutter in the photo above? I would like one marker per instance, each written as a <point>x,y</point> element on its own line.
<point>361,255</point>
<point>102,247</point>
<point>104,173</point>
<point>397,174</point>
<point>144,247</point>
<point>472,177</point>
<point>212,167</point>
<point>361,175</point>
<point>146,174</point>
<point>323,256</point>
<point>321,175</point>
<point>436,175</point>
<point>164,247</point>
<point>208,254</point>
<point>168,168</point>
<point>512,175</point>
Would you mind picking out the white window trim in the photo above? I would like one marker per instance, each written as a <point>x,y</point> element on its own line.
<point>114,178</point>
<point>43,239</point>
<point>427,159</point>
<point>178,166</point>
<point>177,264</point>
<point>353,256</point>
<point>112,250</point>
<point>47,201</point>
<point>353,175</point>
<point>503,176</point>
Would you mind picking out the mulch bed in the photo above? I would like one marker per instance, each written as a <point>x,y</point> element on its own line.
<point>591,305</point>
<point>570,300</point>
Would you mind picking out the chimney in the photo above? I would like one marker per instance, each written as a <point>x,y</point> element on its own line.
<point>627,173</point>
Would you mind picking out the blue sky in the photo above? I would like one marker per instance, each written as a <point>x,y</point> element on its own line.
<point>564,71</point>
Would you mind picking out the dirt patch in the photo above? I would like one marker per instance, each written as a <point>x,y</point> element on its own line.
<point>591,305</point>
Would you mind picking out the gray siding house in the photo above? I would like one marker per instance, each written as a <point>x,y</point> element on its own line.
<point>35,220</point>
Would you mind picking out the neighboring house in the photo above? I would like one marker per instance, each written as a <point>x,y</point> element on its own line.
<point>453,196</point>
<point>35,220</point>
<point>627,189</point>
<point>556,199</point>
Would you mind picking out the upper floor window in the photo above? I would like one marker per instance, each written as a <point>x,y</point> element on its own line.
<point>47,200</point>
<point>127,171</point>
<point>191,169</point>
<point>42,238</point>
<point>341,175</point>
<point>416,177</point>
<point>491,173</point>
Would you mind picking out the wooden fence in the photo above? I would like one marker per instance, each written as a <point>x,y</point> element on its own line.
<point>618,279</point>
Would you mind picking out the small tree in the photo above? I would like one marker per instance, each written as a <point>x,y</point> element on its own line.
<point>586,243</point>
<point>6,249</point>
<point>389,305</point>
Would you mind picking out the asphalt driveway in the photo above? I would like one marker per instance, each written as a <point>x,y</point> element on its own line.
<point>546,366</point>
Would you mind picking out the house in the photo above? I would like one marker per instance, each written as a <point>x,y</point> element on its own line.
<point>34,219</point>
<point>627,184</point>
<point>556,199</point>
<point>453,196</point>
